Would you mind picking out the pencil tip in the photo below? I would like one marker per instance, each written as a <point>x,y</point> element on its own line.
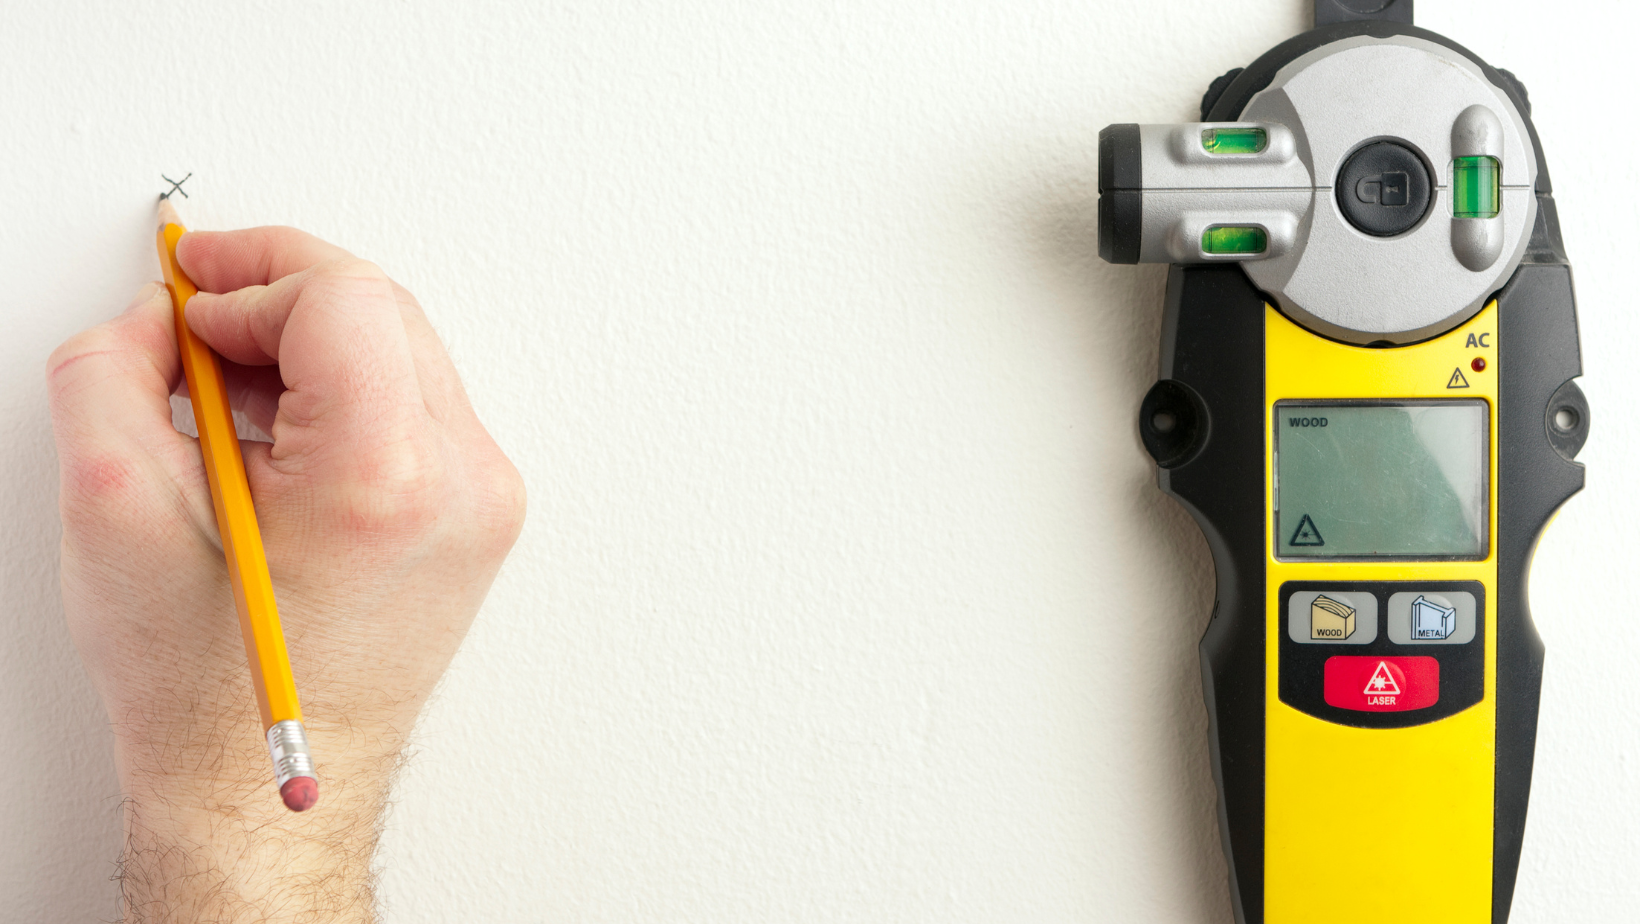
<point>300,793</point>
<point>167,213</point>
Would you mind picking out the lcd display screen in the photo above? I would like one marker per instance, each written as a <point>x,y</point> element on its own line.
<point>1376,480</point>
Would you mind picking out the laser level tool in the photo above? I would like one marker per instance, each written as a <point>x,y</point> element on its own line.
<point>1366,402</point>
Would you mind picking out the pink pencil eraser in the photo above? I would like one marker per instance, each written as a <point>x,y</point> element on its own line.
<point>299,793</point>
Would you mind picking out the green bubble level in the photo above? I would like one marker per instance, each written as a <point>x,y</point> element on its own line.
<point>1475,187</point>
<point>1234,140</point>
<point>1234,239</point>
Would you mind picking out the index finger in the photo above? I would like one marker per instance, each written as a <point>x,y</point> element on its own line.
<point>110,390</point>
<point>225,261</point>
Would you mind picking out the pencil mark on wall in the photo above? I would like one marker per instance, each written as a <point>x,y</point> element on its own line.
<point>176,186</point>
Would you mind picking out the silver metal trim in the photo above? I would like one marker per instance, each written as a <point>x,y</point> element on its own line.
<point>1185,242</point>
<point>1476,132</point>
<point>1319,269</point>
<point>1174,220</point>
<point>1478,242</point>
<point>1351,286</point>
<point>1187,164</point>
<point>288,746</point>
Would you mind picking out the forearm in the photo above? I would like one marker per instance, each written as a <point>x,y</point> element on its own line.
<point>207,839</point>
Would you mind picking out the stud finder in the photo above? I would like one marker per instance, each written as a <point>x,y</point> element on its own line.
<point>1366,402</point>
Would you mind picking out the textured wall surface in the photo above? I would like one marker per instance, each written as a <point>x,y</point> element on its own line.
<point>846,592</point>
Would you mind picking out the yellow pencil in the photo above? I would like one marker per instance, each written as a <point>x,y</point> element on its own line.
<point>241,539</point>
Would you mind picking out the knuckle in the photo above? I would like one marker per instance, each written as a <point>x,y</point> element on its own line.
<point>110,500</point>
<point>127,344</point>
<point>501,504</point>
<point>95,476</point>
<point>81,361</point>
<point>400,496</point>
<point>90,342</point>
<point>284,234</point>
<point>411,492</point>
<point>352,270</point>
<point>275,238</point>
<point>347,284</point>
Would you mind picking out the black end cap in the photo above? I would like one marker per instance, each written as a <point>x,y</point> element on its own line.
<point>1119,225</point>
<point>1120,163</point>
<point>1173,423</point>
<point>1121,193</point>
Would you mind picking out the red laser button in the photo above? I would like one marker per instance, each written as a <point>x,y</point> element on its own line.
<point>1382,684</point>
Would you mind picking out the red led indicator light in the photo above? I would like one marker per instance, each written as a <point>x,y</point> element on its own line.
<point>1478,364</point>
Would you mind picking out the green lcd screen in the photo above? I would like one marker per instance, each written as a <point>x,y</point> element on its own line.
<point>1381,480</point>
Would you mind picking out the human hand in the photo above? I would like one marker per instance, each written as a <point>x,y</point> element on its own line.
<point>385,509</point>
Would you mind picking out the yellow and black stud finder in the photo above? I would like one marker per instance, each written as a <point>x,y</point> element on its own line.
<point>1366,402</point>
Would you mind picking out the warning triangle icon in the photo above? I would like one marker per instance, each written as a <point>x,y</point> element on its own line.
<point>1382,682</point>
<point>1457,380</point>
<point>1306,534</point>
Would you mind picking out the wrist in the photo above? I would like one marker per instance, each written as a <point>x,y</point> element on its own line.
<point>207,837</point>
<point>230,863</point>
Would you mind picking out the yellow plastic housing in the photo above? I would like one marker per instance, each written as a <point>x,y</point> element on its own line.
<point>1366,825</point>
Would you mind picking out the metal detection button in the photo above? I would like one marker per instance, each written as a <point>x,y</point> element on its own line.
<point>1384,189</point>
<point>1421,617</point>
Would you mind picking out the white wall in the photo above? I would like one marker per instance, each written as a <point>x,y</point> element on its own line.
<point>846,593</point>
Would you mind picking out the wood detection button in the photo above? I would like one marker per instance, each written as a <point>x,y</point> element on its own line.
<point>1332,617</point>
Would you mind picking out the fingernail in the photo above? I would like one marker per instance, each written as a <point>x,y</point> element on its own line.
<point>148,291</point>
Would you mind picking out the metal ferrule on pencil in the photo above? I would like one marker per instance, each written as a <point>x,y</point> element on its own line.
<point>288,746</point>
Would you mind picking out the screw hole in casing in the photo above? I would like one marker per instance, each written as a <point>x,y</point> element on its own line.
<point>1173,423</point>
<point>1566,420</point>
